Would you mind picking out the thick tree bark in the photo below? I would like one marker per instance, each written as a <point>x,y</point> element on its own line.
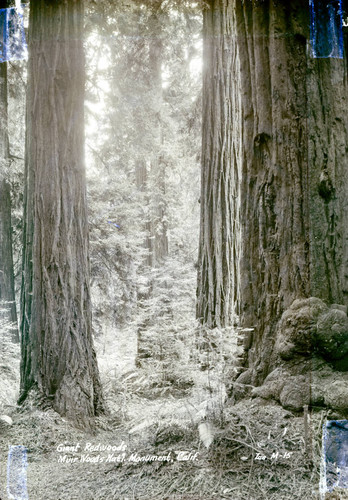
<point>274,192</point>
<point>327,94</point>
<point>218,262</point>
<point>293,208</point>
<point>7,287</point>
<point>58,358</point>
<point>288,112</point>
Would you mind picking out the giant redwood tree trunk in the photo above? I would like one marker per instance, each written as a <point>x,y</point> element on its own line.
<point>58,358</point>
<point>218,261</point>
<point>275,129</point>
<point>7,289</point>
<point>271,42</point>
<point>294,181</point>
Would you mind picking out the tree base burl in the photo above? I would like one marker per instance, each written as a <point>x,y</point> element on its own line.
<point>309,363</point>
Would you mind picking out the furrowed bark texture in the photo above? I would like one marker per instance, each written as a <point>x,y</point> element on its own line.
<point>57,348</point>
<point>218,261</point>
<point>7,288</point>
<point>327,93</point>
<point>294,184</point>
<point>274,184</point>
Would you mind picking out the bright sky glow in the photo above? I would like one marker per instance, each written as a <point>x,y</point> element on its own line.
<point>99,60</point>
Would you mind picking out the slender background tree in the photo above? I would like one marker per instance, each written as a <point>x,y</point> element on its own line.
<point>144,165</point>
<point>7,288</point>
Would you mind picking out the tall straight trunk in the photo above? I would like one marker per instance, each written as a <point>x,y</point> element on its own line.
<point>274,184</point>
<point>58,358</point>
<point>7,287</point>
<point>150,166</point>
<point>217,291</point>
<point>157,167</point>
<point>293,192</point>
<point>143,295</point>
<point>150,175</point>
<point>142,183</point>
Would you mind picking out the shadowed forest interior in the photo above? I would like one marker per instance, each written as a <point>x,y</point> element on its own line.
<point>173,249</point>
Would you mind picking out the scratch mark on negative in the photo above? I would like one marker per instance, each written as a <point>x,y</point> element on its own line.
<point>17,473</point>
<point>334,463</point>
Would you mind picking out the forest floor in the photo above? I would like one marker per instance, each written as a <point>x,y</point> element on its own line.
<point>170,443</point>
